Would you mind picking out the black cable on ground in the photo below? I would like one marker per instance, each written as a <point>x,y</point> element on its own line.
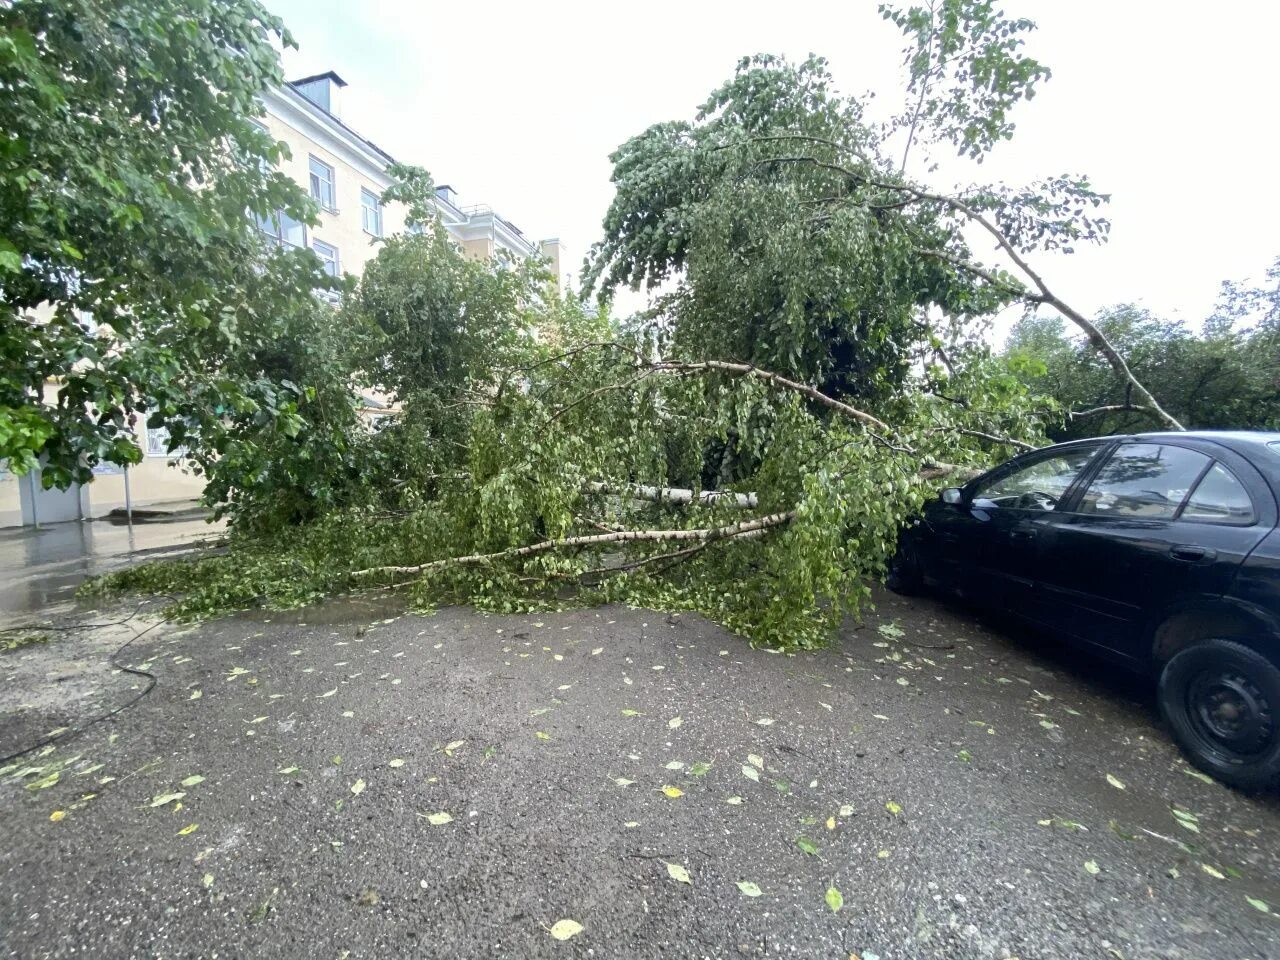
<point>152,680</point>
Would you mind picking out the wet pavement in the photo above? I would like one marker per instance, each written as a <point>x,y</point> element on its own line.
<point>348,782</point>
<point>40,569</point>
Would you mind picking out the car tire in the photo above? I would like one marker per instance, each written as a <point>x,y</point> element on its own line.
<point>905,576</point>
<point>1221,699</point>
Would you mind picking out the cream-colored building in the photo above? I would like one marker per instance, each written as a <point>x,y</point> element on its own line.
<point>346,174</point>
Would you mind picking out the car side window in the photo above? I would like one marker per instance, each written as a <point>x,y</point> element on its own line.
<point>1144,480</point>
<point>1037,486</point>
<point>1219,497</point>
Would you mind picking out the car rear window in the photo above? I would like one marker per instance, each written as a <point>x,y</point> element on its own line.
<point>1146,480</point>
<point>1219,498</point>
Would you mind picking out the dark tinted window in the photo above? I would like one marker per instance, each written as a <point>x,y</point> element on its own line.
<point>1219,498</point>
<point>1147,480</point>
<point>1035,486</point>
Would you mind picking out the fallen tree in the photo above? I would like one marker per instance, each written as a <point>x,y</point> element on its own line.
<point>813,363</point>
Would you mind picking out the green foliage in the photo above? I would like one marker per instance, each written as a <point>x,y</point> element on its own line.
<point>129,270</point>
<point>966,70</point>
<point>1227,376</point>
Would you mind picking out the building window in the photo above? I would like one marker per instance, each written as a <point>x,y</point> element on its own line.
<point>328,256</point>
<point>322,190</point>
<point>370,213</point>
<point>282,230</point>
<point>158,443</point>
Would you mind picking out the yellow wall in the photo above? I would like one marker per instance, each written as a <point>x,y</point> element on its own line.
<point>342,229</point>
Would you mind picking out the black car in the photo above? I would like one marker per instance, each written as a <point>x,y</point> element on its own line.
<point>1160,551</point>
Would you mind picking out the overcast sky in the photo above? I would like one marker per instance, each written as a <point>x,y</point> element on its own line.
<point>1170,107</point>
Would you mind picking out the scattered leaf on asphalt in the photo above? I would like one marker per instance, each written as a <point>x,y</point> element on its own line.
<point>891,630</point>
<point>455,745</point>
<point>903,682</point>
<point>1115,781</point>
<point>675,765</point>
<point>751,773</point>
<point>542,736</point>
<point>207,880</point>
<point>395,763</point>
<point>883,854</point>
<point>749,889</point>
<point>623,781</point>
<point>287,770</point>
<point>57,815</point>
<point>765,721</point>
<point>632,713</point>
<point>597,651</point>
<point>1258,904</point>
<point>564,929</point>
<point>846,810</point>
<point>672,792</point>
<point>164,798</point>
<point>807,845</point>
<point>678,873</point>
<point>831,823</point>
<point>755,761</point>
<point>964,756</point>
<point>328,693</point>
<point>358,787</point>
<point>893,808</point>
<point>1212,871</point>
<point>1092,867</point>
<point>188,829</point>
<point>674,722</point>
<point>699,769</point>
<point>195,695</point>
<point>193,780</point>
<point>733,800</point>
<point>1048,724</point>
<point>835,899</point>
<point>437,819</point>
<point>1198,775</point>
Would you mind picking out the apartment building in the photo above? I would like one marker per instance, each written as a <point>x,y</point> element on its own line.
<point>346,174</point>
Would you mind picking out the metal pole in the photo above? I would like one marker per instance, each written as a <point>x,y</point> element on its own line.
<point>35,509</point>
<point>128,499</point>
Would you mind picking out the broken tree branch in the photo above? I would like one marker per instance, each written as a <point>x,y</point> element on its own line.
<point>731,530</point>
<point>679,495</point>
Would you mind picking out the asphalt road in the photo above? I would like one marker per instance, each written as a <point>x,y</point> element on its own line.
<point>280,794</point>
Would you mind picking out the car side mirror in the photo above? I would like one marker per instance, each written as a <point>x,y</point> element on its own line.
<point>953,496</point>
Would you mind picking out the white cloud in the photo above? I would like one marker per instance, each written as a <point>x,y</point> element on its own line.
<point>1167,106</point>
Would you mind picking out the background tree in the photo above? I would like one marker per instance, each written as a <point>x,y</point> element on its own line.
<point>1227,376</point>
<point>130,269</point>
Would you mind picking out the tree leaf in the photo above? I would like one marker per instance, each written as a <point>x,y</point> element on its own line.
<point>1212,871</point>
<point>674,723</point>
<point>807,845</point>
<point>678,873</point>
<point>166,798</point>
<point>437,819</point>
<point>893,807</point>
<point>357,788</point>
<point>755,761</point>
<point>188,829</point>
<point>748,889</point>
<point>1115,781</point>
<point>193,780</point>
<point>1259,904</point>
<point>672,792</point>
<point>565,929</point>
<point>835,899</point>
<point>751,773</point>
<point>1092,867</point>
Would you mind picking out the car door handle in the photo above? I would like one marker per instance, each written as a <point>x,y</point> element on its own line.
<point>1191,553</point>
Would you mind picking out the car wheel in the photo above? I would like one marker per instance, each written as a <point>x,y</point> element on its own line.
<point>905,576</point>
<point>1222,700</point>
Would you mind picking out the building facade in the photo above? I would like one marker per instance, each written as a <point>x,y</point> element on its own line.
<point>346,174</point>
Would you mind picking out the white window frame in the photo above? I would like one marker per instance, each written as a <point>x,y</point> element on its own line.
<point>316,180</point>
<point>317,246</point>
<point>370,211</point>
<point>158,444</point>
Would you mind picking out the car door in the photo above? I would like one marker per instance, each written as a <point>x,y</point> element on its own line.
<point>1158,522</point>
<point>986,544</point>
